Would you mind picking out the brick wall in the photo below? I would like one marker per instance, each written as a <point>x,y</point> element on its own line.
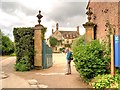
<point>103,11</point>
<point>119,18</point>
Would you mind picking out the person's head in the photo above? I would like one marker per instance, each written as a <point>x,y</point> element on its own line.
<point>67,49</point>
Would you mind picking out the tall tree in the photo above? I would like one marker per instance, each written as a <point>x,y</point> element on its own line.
<point>6,45</point>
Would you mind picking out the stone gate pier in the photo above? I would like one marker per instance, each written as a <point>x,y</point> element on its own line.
<point>38,43</point>
<point>42,52</point>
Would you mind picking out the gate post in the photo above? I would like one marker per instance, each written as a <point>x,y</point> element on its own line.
<point>112,56</point>
<point>90,27</point>
<point>38,43</point>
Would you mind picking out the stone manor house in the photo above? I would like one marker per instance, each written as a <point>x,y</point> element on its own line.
<point>66,38</point>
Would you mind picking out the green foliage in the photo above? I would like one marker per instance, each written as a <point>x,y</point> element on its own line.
<point>91,59</point>
<point>117,70</point>
<point>43,32</point>
<point>24,43</point>
<point>106,81</point>
<point>53,41</point>
<point>6,46</point>
<point>23,65</point>
<point>62,49</point>
<point>13,54</point>
<point>77,42</point>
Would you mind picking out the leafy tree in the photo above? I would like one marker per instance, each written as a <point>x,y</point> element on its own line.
<point>6,46</point>
<point>1,34</point>
<point>53,41</point>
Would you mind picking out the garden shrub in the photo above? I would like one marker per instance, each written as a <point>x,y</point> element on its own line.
<point>77,42</point>
<point>90,59</point>
<point>24,48</point>
<point>106,81</point>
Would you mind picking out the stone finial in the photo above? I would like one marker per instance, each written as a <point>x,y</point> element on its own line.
<point>89,13</point>
<point>57,26</point>
<point>52,31</point>
<point>39,16</point>
<point>77,28</point>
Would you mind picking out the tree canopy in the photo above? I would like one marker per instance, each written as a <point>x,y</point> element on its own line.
<point>6,45</point>
<point>53,41</point>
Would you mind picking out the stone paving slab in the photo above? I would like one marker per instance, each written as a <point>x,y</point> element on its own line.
<point>33,82</point>
<point>4,75</point>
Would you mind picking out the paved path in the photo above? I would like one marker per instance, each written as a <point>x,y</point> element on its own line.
<point>48,78</point>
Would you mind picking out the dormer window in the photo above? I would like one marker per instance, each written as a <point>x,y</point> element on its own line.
<point>67,35</point>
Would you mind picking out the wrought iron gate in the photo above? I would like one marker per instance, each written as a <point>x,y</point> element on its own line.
<point>46,55</point>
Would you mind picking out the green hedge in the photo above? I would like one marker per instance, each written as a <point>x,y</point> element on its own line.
<point>24,43</point>
<point>91,59</point>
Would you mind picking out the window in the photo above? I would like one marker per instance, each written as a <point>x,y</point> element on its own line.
<point>56,48</point>
<point>72,41</point>
<point>67,41</point>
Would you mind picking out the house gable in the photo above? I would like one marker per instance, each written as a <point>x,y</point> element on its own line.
<point>57,35</point>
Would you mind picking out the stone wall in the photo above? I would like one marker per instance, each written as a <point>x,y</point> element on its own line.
<point>119,18</point>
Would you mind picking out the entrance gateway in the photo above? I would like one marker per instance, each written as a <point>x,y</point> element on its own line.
<point>43,53</point>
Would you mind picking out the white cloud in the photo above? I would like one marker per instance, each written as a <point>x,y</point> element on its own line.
<point>22,13</point>
<point>6,19</point>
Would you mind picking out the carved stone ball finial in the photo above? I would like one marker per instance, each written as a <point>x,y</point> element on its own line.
<point>89,13</point>
<point>39,16</point>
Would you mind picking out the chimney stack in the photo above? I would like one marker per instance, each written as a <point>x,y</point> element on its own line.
<point>57,26</point>
<point>52,31</point>
<point>78,29</point>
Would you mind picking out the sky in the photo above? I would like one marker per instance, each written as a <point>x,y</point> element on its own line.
<point>22,13</point>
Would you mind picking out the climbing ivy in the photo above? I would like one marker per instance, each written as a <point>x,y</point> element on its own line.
<point>43,30</point>
<point>110,31</point>
<point>24,44</point>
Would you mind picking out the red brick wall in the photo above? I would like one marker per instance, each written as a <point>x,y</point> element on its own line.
<point>119,18</point>
<point>104,11</point>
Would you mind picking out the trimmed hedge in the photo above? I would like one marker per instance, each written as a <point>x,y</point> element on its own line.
<point>24,44</point>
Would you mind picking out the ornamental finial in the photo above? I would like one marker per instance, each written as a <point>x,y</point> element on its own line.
<point>89,13</point>
<point>39,16</point>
